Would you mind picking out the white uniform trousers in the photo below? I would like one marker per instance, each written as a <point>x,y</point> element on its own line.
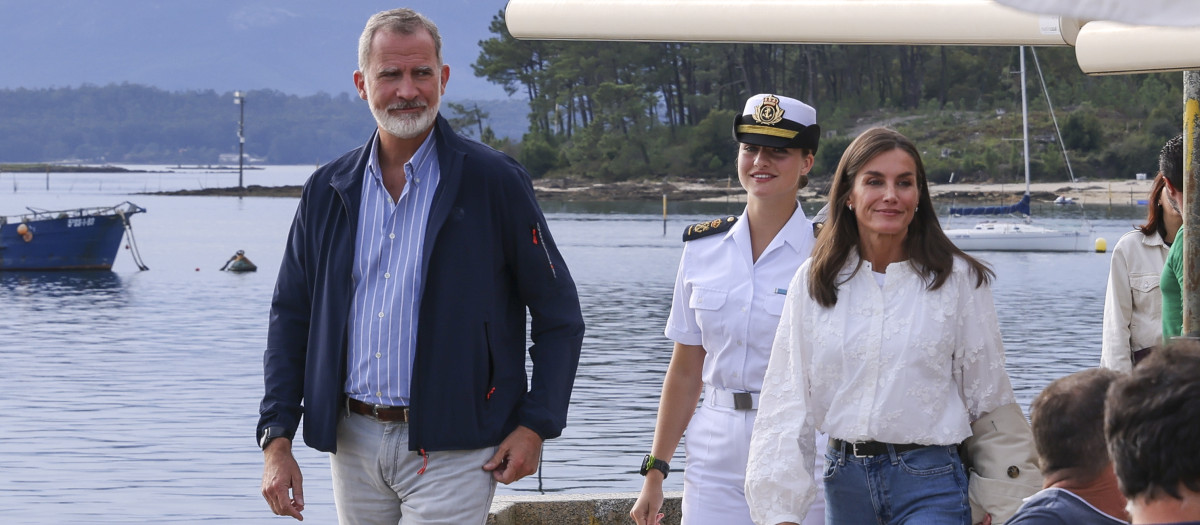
<point>717,444</point>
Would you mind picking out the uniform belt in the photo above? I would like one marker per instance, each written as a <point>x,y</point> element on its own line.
<point>383,413</point>
<point>720,397</point>
<point>864,449</point>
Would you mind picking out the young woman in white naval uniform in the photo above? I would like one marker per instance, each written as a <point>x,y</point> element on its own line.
<point>729,293</point>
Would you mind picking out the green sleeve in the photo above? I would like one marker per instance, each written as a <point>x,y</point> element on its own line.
<point>1171,284</point>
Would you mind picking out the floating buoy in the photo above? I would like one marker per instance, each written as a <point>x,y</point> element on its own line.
<point>22,229</point>
<point>197,269</point>
<point>1101,245</point>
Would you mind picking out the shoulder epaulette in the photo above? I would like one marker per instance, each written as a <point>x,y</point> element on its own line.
<point>706,228</point>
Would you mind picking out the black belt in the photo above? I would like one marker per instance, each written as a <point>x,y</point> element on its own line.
<point>865,449</point>
<point>380,412</point>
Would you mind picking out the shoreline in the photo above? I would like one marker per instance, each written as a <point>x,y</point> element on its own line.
<point>1121,191</point>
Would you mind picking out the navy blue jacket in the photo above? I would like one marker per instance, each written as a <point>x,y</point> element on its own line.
<point>488,256</point>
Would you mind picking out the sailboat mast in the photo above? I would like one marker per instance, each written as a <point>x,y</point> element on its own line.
<point>1024,119</point>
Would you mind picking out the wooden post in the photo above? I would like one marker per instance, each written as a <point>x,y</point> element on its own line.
<point>1191,203</point>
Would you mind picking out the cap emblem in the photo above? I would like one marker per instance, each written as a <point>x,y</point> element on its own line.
<point>768,113</point>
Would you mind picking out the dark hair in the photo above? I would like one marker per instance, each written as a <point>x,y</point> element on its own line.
<point>1155,223</point>
<point>1152,423</point>
<point>1068,422</point>
<point>929,250</point>
<point>1170,161</point>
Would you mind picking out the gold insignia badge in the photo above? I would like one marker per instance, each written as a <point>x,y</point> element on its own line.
<point>700,228</point>
<point>716,223</point>
<point>768,113</point>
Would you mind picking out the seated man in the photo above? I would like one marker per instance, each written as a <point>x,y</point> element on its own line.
<point>1068,431</point>
<point>1152,423</point>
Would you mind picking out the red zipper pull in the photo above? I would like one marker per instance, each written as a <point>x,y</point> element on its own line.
<point>534,232</point>
<point>424,462</point>
<point>490,392</point>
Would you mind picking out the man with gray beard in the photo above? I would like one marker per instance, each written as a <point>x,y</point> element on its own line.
<point>398,323</point>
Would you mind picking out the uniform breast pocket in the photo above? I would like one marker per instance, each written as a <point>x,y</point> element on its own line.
<point>774,304</point>
<point>707,299</point>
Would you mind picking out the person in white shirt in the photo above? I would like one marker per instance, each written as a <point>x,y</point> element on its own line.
<point>732,279</point>
<point>888,343</point>
<point>1133,304</point>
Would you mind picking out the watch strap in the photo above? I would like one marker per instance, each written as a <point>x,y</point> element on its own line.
<point>651,462</point>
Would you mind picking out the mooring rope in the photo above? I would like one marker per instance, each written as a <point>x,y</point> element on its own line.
<point>137,256</point>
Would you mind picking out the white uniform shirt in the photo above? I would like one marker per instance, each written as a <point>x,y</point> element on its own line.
<point>730,304</point>
<point>897,363</point>
<point>1133,302</point>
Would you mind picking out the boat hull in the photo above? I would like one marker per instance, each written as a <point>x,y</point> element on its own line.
<point>65,243</point>
<point>1006,237</point>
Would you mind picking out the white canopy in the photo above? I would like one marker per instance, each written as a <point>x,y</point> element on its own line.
<point>1100,47</point>
<point>1171,13</point>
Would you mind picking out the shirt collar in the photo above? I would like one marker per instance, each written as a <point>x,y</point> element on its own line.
<point>793,232</point>
<point>419,160</point>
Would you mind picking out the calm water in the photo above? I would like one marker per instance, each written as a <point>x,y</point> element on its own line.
<point>131,396</point>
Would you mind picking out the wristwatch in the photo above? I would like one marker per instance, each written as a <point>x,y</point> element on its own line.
<point>650,462</point>
<point>270,433</point>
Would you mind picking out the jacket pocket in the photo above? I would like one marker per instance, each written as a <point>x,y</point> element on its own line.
<point>490,387</point>
<point>1144,282</point>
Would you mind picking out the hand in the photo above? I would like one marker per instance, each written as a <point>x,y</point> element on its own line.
<point>645,510</point>
<point>516,457</point>
<point>281,473</point>
<point>987,520</point>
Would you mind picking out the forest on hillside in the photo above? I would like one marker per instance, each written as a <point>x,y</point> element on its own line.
<point>636,110</point>
<point>610,111</point>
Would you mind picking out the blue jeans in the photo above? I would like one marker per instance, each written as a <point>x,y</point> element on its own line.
<point>923,486</point>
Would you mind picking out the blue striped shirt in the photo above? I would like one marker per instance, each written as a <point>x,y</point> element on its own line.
<point>387,279</point>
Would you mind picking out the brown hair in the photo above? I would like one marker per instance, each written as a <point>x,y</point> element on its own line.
<point>1155,223</point>
<point>1068,423</point>
<point>929,250</point>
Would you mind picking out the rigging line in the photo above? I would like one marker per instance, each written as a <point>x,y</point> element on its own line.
<point>1063,147</point>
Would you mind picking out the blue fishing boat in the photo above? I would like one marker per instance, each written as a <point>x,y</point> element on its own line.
<point>74,239</point>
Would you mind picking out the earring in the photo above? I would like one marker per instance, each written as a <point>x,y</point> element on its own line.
<point>916,209</point>
<point>849,206</point>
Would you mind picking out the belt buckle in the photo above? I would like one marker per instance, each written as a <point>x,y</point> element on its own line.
<point>743,401</point>
<point>854,450</point>
<point>375,410</point>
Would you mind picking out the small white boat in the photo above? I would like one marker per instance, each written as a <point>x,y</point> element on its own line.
<point>1019,235</point>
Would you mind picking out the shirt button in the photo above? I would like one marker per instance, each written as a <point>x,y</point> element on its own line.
<point>380,315</point>
<point>391,236</point>
<point>739,343</point>
<point>378,394</point>
<point>387,275</point>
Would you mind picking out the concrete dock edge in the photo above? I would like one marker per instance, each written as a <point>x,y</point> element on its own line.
<point>571,509</point>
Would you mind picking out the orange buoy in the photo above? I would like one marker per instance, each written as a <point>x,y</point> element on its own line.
<point>22,229</point>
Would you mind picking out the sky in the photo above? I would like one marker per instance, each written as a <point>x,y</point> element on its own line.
<point>294,46</point>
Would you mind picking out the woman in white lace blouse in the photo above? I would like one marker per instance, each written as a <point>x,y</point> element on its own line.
<point>888,343</point>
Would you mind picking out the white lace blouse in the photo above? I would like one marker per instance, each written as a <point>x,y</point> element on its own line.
<point>895,363</point>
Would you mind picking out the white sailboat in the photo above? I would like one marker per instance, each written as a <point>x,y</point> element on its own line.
<point>1016,235</point>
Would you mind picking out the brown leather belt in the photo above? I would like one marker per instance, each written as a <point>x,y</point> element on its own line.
<point>380,412</point>
<point>865,449</point>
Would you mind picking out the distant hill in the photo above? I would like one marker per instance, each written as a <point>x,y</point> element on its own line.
<point>129,123</point>
<point>299,47</point>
